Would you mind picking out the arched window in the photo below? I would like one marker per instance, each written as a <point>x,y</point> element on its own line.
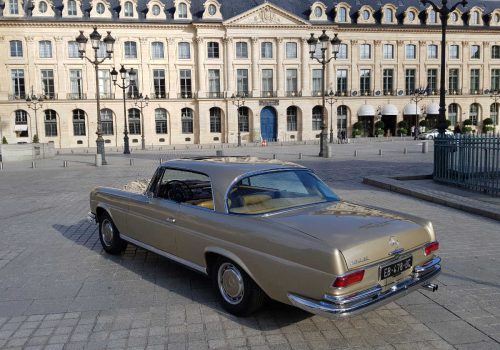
<point>388,16</point>
<point>157,50</point>
<point>342,118</point>
<point>474,113</point>
<point>243,119</point>
<point>183,10</point>
<point>432,17</point>
<point>291,118</point>
<point>129,9</point>
<point>342,15</point>
<point>161,121</point>
<point>156,10</point>
<point>100,8</point>
<point>50,123</point>
<point>474,17</point>
<point>13,7</point>
<point>72,9</point>
<point>79,122</point>
<point>134,121</point>
<point>187,120</point>
<point>215,119</point>
<point>366,15</point>
<point>21,122</point>
<point>452,114</point>
<point>494,108</point>
<point>184,50</point>
<point>317,118</point>
<point>107,121</point>
<point>42,7</point>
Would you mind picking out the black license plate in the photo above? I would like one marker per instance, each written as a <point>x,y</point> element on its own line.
<point>396,268</point>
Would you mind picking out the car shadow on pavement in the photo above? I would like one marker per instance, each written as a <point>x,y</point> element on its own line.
<point>131,277</point>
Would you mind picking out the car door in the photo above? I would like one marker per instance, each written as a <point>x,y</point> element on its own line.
<point>151,218</point>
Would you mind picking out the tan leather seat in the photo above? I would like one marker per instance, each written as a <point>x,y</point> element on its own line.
<point>209,204</point>
<point>253,199</point>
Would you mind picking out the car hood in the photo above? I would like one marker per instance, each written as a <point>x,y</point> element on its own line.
<point>364,235</point>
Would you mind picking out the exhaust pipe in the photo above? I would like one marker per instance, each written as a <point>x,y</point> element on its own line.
<point>431,286</point>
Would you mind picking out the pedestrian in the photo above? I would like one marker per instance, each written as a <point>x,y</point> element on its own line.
<point>413,131</point>
<point>457,129</point>
<point>343,135</point>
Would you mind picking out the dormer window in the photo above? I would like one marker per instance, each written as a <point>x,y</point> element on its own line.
<point>13,7</point>
<point>342,15</point>
<point>318,12</point>
<point>183,10</point>
<point>42,7</point>
<point>156,10</point>
<point>100,8</point>
<point>129,9</point>
<point>366,15</point>
<point>388,16</point>
<point>496,18</point>
<point>212,9</point>
<point>453,17</point>
<point>432,17</point>
<point>474,18</point>
<point>72,10</point>
<point>411,16</point>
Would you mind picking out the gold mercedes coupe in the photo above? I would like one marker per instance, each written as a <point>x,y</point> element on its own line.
<point>269,229</point>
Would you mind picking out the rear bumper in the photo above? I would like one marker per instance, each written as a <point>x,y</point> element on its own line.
<point>337,307</point>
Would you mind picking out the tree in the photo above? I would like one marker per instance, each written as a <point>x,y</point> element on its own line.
<point>4,140</point>
<point>35,138</point>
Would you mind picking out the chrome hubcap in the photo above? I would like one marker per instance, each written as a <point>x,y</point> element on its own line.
<point>107,232</point>
<point>230,282</point>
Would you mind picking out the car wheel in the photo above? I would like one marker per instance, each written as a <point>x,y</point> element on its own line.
<point>430,137</point>
<point>109,236</point>
<point>238,293</point>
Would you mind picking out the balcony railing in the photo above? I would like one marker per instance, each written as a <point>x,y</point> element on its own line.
<point>17,97</point>
<point>268,94</point>
<point>50,97</point>
<point>76,96</point>
<point>316,93</point>
<point>455,92</point>
<point>185,94</point>
<point>293,93</point>
<point>475,92</point>
<point>106,96</point>
<point>159,96</point>
<point>215,94</point>
<point>245,93</point>
<point>389,92</point>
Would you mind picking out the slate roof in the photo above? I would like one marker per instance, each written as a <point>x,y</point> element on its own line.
<point>299,8</point>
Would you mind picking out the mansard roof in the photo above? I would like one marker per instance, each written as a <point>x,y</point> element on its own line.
<point>299,8</point>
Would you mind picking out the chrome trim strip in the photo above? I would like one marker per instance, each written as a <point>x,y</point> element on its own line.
<point>337,307</point>
<point>175,258</point>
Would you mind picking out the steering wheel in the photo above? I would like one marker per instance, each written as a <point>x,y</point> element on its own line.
<point>178,191</point>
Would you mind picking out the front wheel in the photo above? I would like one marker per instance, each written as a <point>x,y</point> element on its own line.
<point>238,293</point>
<point>109,236</point>
<point>430,137</point>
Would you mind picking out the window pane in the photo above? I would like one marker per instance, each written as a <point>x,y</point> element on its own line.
<point>291,50</point>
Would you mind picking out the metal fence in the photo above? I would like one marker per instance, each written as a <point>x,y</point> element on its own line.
<point>469,161</point>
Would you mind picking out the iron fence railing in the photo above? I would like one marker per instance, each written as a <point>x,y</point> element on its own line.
<point>469,161</point>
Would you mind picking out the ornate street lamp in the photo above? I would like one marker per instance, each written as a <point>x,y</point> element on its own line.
<point>123,75</point>
<point>323,40</point>
<point>444,12</point>
<point>417,96</point>
<point>238,101</point>
<point>495,95</point>
<point>331,99</point>
<point>35,103</point>
<point>142,102</point>
<point>95,40</point>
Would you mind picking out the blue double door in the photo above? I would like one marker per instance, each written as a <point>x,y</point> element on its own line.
<point>268,124</point>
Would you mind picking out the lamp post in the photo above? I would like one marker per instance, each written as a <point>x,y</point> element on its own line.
<point>417,96</point>
<point>95,39</point>
<point>35,103</point>
<point>123,75</point>
<point>312,41</point>
<point>238,101</point>
<point>141,102</point>
<point>495,95</point>
<point>331,99</point>
<point>443,11</point>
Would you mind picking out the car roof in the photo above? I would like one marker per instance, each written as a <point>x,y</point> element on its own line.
<point>224,170</point>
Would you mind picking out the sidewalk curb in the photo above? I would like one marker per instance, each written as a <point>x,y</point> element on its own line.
<point>439,197</point>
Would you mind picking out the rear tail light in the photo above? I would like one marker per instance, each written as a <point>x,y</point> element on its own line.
<point>349,279</point>
<point>431,247</point>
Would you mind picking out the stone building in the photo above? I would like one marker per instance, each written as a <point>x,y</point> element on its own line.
<point>192,56</point>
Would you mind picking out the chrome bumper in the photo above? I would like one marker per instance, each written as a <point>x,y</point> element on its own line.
<point>337,307</point>
<point>91,217</point>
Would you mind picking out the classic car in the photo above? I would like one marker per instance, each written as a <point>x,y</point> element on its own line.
<point>432,134</point>
<point>270,229</point>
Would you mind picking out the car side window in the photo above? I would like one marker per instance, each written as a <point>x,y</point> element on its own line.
<point>186,187</point>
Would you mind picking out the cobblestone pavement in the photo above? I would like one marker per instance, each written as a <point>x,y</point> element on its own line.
<point>59,290</point>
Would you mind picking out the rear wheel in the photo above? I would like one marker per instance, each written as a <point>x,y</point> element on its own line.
<point>237,292</point>
<point>109,236</point>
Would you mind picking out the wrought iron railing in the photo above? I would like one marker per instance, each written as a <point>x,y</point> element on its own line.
<point>76,96</point>
<point>469,161</point>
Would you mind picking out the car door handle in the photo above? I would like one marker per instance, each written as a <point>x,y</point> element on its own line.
<point>171,220</point>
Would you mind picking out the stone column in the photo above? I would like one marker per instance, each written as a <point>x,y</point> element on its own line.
<point>280,75</point>
<point>305,61</point>
<point>172,86</point>
<point>422,69</point>
<point>255,72</point>
<point>354,85</point>
<point>229,74</point>
<point>465,70</point>
<point>399,83</point>
<point>199,71</point>
<point>486,79</point>
<point>377,76</point>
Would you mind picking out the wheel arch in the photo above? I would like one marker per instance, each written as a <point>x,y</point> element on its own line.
<point>102,209</point>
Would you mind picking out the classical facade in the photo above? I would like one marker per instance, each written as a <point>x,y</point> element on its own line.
<point>192,56</point>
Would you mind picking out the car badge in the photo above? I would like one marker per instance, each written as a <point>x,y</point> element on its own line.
<point>395,243</point>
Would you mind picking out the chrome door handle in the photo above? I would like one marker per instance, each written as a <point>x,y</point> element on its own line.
<point>171,220</point>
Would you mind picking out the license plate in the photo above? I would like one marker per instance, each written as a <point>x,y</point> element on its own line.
<point>396,268</point>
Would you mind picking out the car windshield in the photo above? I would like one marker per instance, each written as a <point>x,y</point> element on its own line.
<point>277,190</point>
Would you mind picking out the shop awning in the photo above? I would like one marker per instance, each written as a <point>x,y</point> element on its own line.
<point>433,108</point>
<point>389,110</point>
<point>366,110</point>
